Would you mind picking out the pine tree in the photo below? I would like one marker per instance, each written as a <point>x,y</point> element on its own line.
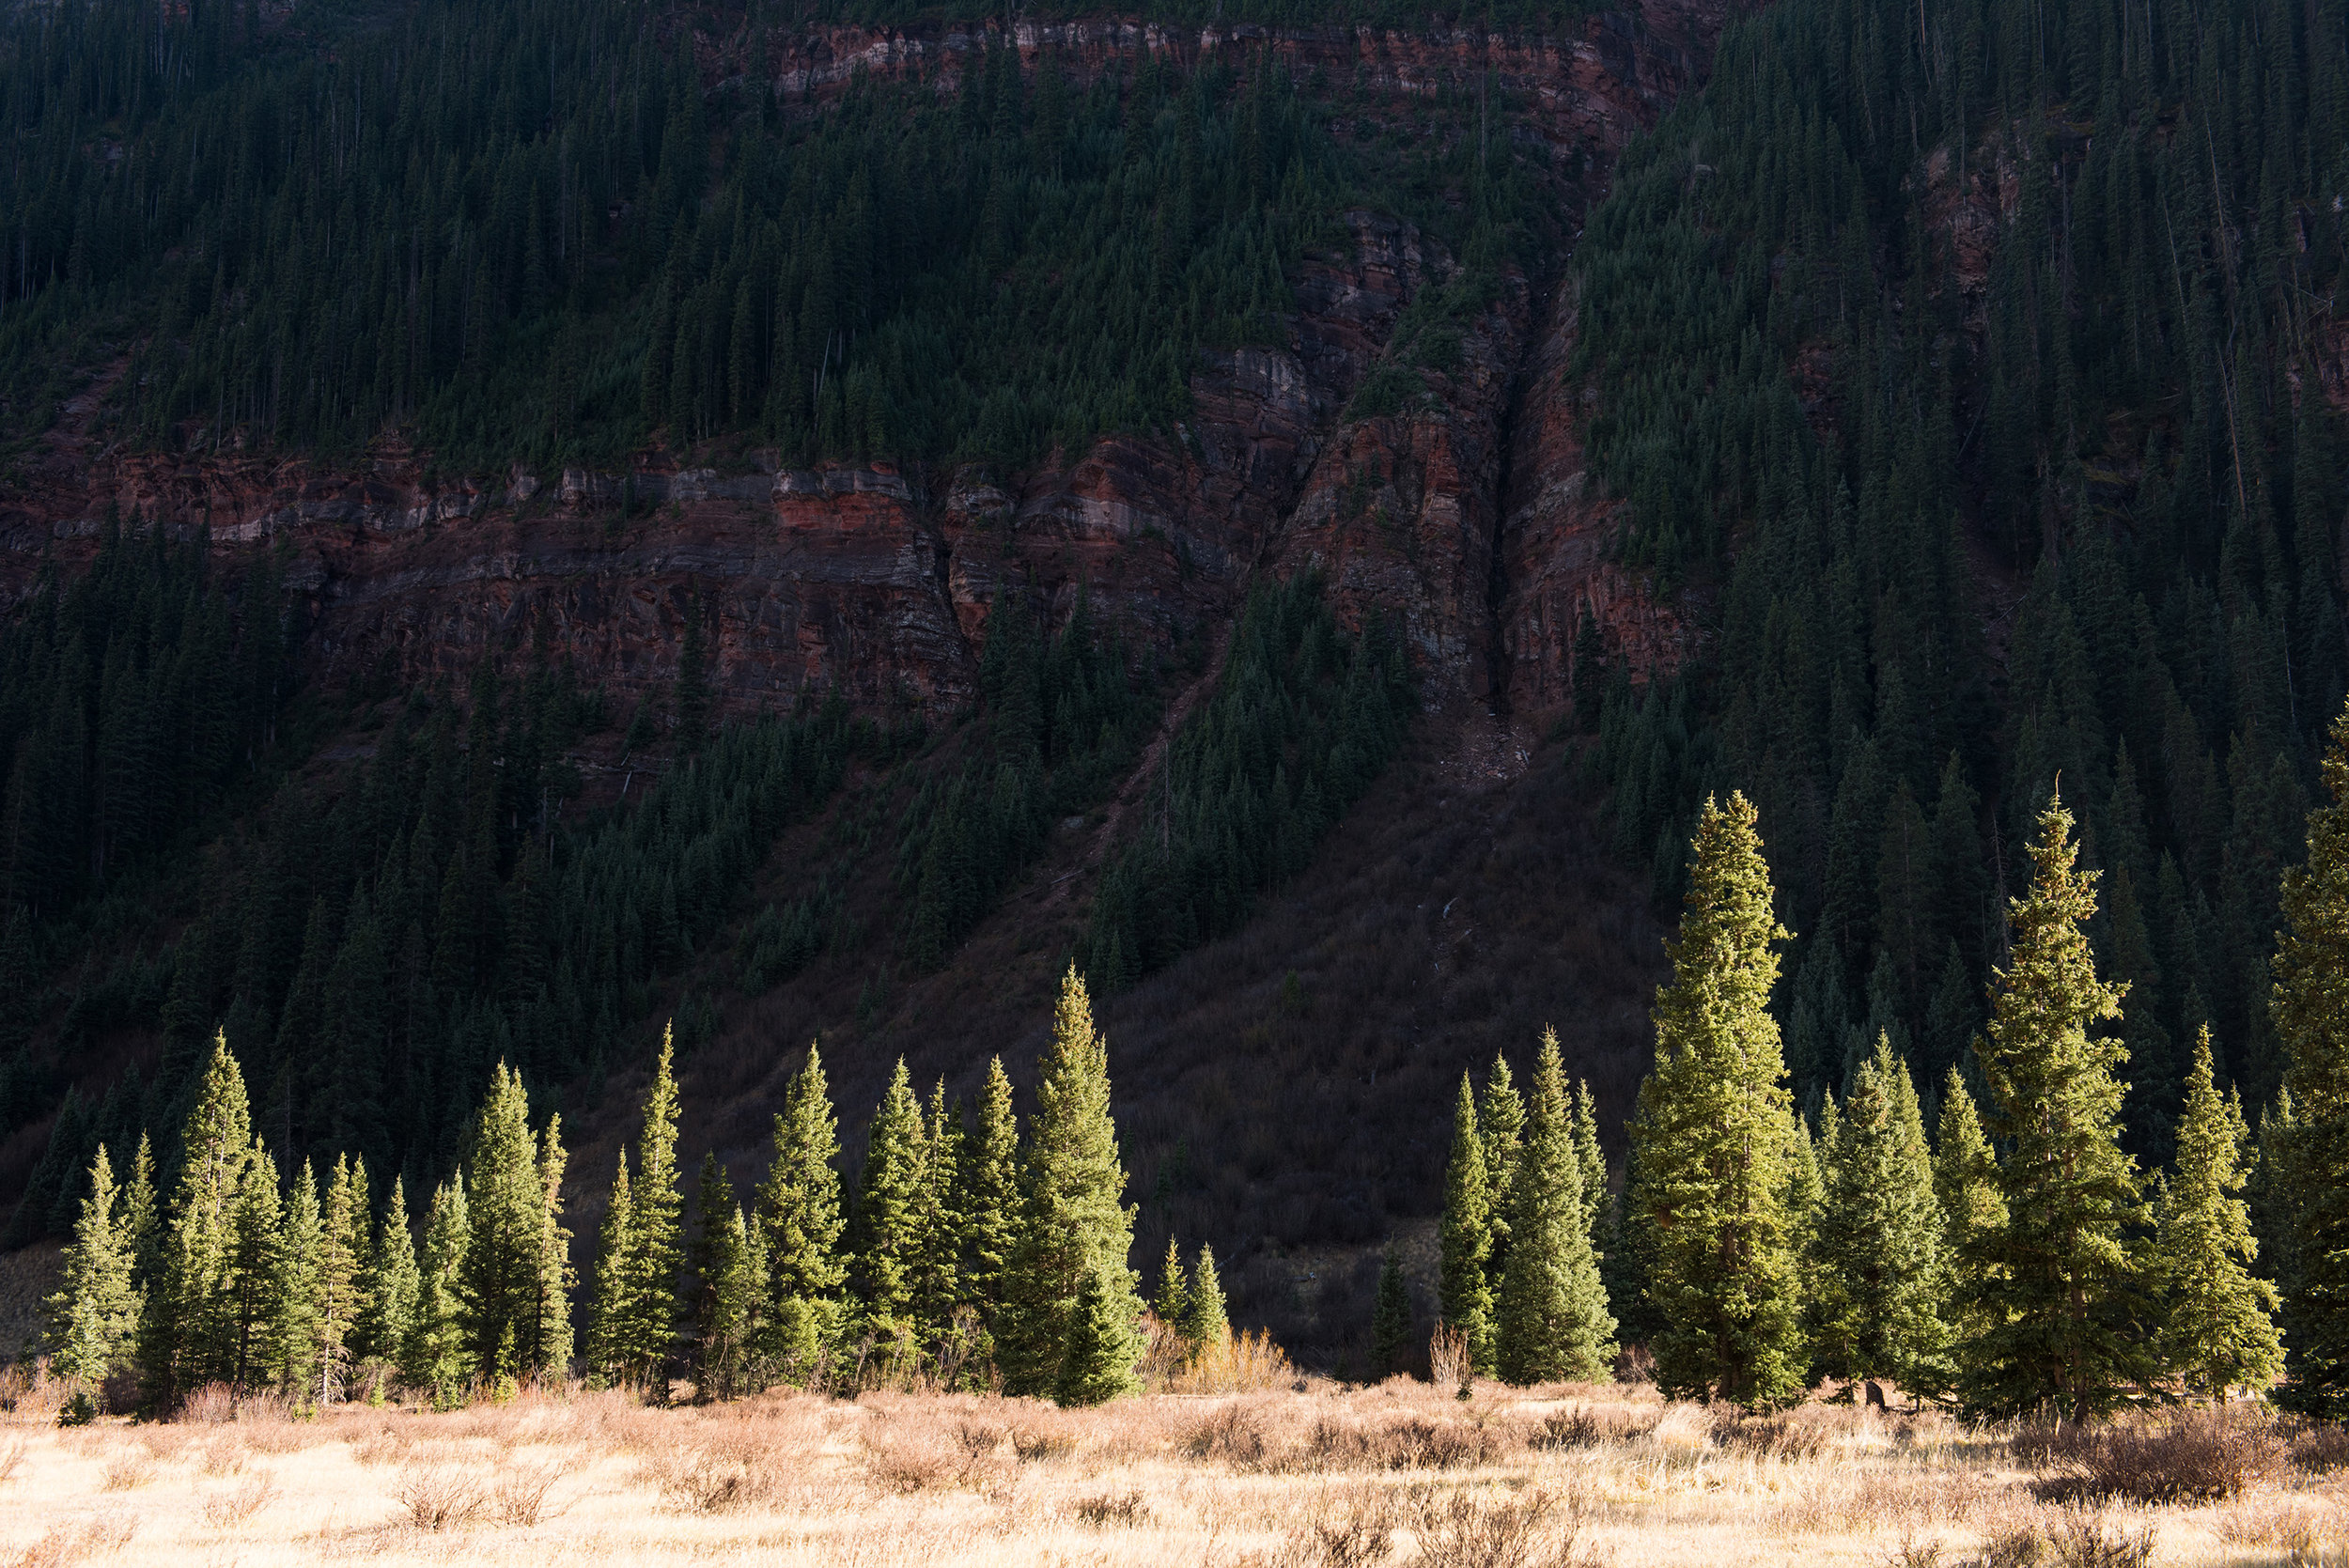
<point>142,1227</point>
<point>608,1315</point>
<point>1206,1325</point>
<point>800,1225</point>
<point>2217,1331</point>
<point>546,1339</point>
<point>2311,1008</point>
<point>1715,1137</point>
<point>1069,1315</point>
<point>94,1318</point>
<point>1594,1162</point>
<point>730,1279</point>
<point>2066,1317</point>
<point>990,1193</point>
<point>1390,1319</point>
<point>343,1274</point>
<point>1467,1232</point>
<point>179,1345</point>
<point>1966,1188</point>
<point>1501,1128</point>
<point>437,1356</point>
<point>298,1336</point>
<point>938,1222</point>
<point>245,1319</point>
<point>887,1235</point>
<point>1875,1253</point>
<point>389,1288</point>
<point>1551,1321</point>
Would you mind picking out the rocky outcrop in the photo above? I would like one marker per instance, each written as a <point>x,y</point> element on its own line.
<point>1463,514</point>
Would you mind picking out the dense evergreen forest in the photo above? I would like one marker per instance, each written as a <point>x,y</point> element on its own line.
<point>2067,265</point>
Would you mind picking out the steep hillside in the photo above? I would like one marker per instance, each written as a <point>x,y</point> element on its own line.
<point>1377,413</point>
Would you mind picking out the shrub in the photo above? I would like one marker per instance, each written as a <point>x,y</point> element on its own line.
<point>1456,1529</point>
<point>1232,1432</point>
<point>2082,1541</point>
<point>519,1496</point>
<point>1112,1508</point>
<point>2320,1449</point>
<point>2202,1456</point>
<point>233,1508</point>
<point>441,1496</point>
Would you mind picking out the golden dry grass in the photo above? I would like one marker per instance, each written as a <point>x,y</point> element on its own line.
<point>1403,1473</point>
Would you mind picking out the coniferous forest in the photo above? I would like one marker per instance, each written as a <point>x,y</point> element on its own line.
<point>1963,386</point>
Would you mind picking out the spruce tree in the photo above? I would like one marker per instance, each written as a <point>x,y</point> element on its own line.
<point>94,1318</point>
<point>1466,1238</point>
<point>179,1342</point>
<point>1390,1319</point>
<point>1171,1306</point>
<point>800,1225</point>
<point>142,1226</point>
<point>1875,1256</point>
<point>246,1312</point>
<point>1205,1326</point>
<point>2065,1318</point>
<point>1070,1311</point>
<point>1716,1139</point>
<point>1500,1127</point>
<point>1551,1322</point>
<point>886,1240</point>
<point>608,1315</point>
<point>1586,1150</point>
<point>1965,1189</point>
<point>2311,1008</point>
<point>343,1276</point>
<point>299,1334</point>
<point>938,1222</point>
<point>512,1287</point>
<point>990,1193</point>
<point>387,1296</point>
<point>655,1255</point>
<point>437,1356</point>
<point>2217,1328</point>
<point>729,1275</point>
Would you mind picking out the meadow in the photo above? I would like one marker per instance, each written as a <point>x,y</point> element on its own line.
<point>1306,1475</point>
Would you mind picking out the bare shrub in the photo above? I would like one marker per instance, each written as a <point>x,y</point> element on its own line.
<point>1532,1530</point>
<point>727,1472</point>
<point>2303,1533</point>
<point>127,1472</point>
<point>2200,1456</point>
<point>1243,1363</point>
<point>1035,1444</point>
<point>2085,1541</point>
<point>520,1495</point>
<point>1232,1432</point>
<point>1352,1530</point>
<point>66,1544</point>
<point>1448,1358</point>
<point>2321,1450</point>
<point>209,1406</point>
<point>11,1460</point>
<point>441,1496</point>
<point>1780,1436</point>
<point>1409,1443</point>
<point>220,1455</point>
<point>2016,1544</point>
<point>1112,1508</point>
<point>230,1508</point>
<point>385,1445</point>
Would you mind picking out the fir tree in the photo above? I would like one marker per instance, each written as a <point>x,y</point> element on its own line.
<point>2217,1329</point>
<point>1875,1253</point>
<point>990,1193</point>
<point>1390,1319</point>
<point>515,1311</point>
<point>799,1224</point>
<point>2311,1009</point>
<point>1069,1321</point>
<point>546,1339</point>
<point>1466,1238</point>
<point>730,1279</point>
<point>1551,1317</point>
<point>1716,1138</point>
<point>1965,1189</point>
<point>94,1318</point>
<point>1205,1326</point>
<point>936,1280</point>
<point>1594,1162</point>
<point>179,1329</point>
<point>1500,1127</point>
<point>245,1321</point>
<point>387,1296</point>
<point>142,1227</point>
<point>2065,1314</point>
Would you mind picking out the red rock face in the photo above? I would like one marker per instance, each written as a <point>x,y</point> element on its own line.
<point>1466,516</point>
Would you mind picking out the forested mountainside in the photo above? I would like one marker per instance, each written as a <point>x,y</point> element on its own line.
<point>529,521</point>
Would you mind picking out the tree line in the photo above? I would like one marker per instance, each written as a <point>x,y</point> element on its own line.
<point>967,1248</point>
<point>2019,1260</point>
<point>1797,343</point>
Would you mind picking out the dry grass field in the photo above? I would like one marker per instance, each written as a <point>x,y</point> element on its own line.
<point>1315,1478</point>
